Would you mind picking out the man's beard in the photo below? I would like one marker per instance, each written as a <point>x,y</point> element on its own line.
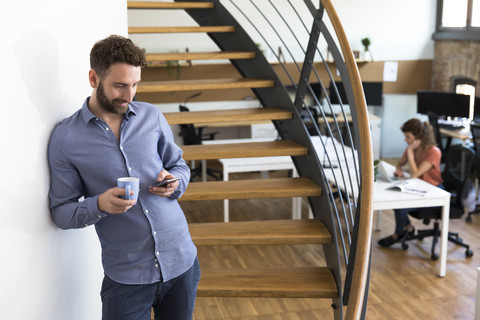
<point>110,105</point>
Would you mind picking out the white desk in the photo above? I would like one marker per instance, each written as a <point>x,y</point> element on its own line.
<point>262,164</point>
<point>388,199</point>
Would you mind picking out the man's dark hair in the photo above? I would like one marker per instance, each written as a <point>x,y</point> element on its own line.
<point>115,49</point>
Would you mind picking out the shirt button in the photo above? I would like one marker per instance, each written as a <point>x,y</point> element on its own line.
<point>86,224</point>
<point>156,265</point>
<point>107,129</point>
<point>158,253</point>
<point>121,147</point>
<point>99,216</point>
<point>129,168</point>
<point>154,232</point>
<point>146,211</point>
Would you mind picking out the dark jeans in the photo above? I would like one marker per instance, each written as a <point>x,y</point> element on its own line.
<point>401,219</point>
<point>171,300</point>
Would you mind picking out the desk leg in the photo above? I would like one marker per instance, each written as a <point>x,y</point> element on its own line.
<point>379,220</point>
<point>226,213</point>
<point>296,202</point>
<point>264,174</point>
<point>296,208</point>
<point>444,240</point>
<point>477,297</point>
<point>476,188</point>
<point>204,170</point>
<point>310,213</point>
<point>226,209</point>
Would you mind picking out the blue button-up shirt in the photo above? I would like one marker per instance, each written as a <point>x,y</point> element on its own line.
<point>148,243</point>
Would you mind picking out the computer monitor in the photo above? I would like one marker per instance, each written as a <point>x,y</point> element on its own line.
<point>373,93</point>
<point>476,109</point>
<point>445,104</point>
<point>317,90</point>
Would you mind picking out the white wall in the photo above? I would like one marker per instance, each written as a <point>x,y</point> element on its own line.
<point>396,109</point>
<point>398,30</point>
<point>45,273</point>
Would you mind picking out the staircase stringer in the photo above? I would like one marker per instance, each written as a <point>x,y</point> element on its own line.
<point>292,129</point>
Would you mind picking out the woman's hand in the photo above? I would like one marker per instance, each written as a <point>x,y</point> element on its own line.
<point>398,173</point>
<point>414,145</point>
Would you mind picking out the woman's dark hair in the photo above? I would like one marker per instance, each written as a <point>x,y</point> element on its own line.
<point>420,130</point>
<point>115,49</point>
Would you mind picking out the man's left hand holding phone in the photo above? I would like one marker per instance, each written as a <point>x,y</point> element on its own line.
<point>166,184</point>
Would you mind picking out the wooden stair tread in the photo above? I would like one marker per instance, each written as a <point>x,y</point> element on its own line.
<point>251,189</point>
<point>168,5</point>
<point>306,282</point>
<point>243,150</point>
<point>222,115</point>
<point>176,56</point>
<point>203,84</point>
<point>305,231</point>
<point>194,29</point>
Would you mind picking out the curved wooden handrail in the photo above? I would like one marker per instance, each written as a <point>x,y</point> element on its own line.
<point>362,258</point>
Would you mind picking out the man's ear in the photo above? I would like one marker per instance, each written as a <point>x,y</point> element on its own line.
<point>93,78</point>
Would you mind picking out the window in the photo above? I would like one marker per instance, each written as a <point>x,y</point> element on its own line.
<point>458,19</point>
<point>467,87</point>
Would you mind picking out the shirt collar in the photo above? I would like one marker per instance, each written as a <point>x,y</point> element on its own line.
<point>129,111</point>
<point>87,115</point>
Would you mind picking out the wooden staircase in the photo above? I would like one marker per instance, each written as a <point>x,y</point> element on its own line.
<point>305,282</point>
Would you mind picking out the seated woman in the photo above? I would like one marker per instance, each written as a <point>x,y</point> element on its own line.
<point>423,157</point>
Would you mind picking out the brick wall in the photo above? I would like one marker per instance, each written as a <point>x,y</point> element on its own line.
<point>455,59</point>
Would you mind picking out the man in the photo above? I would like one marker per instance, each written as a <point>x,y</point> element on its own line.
<point>148,256</point>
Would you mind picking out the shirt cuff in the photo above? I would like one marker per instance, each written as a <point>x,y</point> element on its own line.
<point>90,205</point>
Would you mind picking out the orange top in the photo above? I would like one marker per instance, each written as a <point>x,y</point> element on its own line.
<point>433,155</point>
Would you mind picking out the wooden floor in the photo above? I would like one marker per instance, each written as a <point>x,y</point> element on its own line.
<point>404,283</point>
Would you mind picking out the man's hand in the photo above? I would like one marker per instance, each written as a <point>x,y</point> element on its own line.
<point>110,201</point>
<point>167,190</point>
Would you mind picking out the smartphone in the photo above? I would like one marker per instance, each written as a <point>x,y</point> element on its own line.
<point>166,181</point>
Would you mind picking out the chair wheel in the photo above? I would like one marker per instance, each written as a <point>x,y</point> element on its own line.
<point>434,257</point>
<point>469,253</point>
<point>404,246</point>
<point>469,219</point>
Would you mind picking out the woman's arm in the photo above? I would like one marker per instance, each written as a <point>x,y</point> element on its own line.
<point>416,171</point>
<point>399,166</point>
<point>421,169</point>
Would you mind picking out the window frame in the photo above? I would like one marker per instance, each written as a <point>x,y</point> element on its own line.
<point>456,33</point>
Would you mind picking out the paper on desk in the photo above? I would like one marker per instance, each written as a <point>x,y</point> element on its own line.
<point>407,186</point>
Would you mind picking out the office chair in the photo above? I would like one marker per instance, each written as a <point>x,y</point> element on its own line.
<point>192,136</point>
<point>475,130</point>
<point>433,119</point>
<point>310,124</point>
<point>456,181</point>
